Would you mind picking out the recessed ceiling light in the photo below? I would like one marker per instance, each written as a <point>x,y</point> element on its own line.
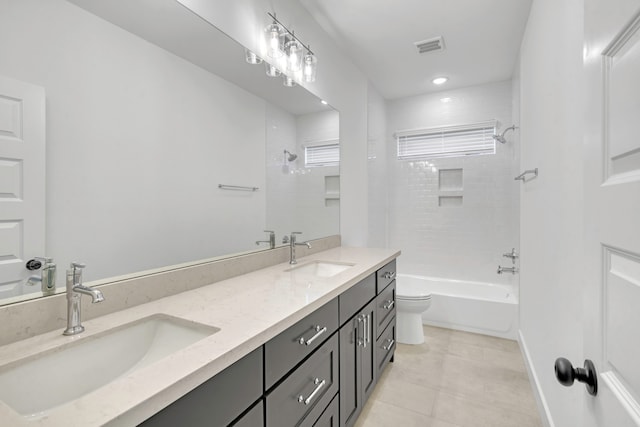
<point>446,99</point>
<point>440,80</point>
<point>323,102</point>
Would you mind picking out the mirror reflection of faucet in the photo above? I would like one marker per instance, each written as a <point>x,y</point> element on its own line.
<point>47,277</point>
<point>271,241</point>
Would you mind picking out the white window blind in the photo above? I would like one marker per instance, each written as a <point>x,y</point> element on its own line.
<point>322,154</point>
<point>447,141</point>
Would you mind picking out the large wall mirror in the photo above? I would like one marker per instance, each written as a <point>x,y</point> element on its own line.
<point>149,109</point>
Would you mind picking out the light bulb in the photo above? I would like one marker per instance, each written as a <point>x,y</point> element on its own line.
<point>293,50</point>
<point>274,38</point>
<point>310,67</point>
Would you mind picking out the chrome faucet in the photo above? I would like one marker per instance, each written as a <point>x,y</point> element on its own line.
<point>271,241</point>
<point>512,270</point>
<point>292,246</point>
<point>74,301</point>
<point>47,277</point>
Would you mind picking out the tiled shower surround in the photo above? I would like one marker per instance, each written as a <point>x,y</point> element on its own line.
<point>453,217</point>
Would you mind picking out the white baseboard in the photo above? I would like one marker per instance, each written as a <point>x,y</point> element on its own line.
<point>543,408</point>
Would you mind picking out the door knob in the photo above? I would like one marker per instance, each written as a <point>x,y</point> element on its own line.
<point>566,374</point>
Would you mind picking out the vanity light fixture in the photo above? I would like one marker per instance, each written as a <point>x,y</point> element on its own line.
<point>289,56</point>
<point>440,80</point>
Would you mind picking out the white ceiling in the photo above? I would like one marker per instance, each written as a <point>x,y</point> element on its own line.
<point>482,39</point>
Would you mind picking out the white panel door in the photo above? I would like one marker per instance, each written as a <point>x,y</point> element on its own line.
<point>612,210</point>
<point>22,183</point>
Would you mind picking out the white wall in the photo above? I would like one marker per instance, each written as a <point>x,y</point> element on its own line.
<point>126,121</point>
<point>457,242</point>
<point>551,205</point>
<point>339,82</point>
<point>377,170</point>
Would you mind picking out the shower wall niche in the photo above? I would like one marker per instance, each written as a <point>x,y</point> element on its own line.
<point>454,217</point>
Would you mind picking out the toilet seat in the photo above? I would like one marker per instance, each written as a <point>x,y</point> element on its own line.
<point>411,292</point>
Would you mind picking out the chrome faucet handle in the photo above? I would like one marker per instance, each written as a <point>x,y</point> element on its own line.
<point>77,265</point>
<point>270,231</point>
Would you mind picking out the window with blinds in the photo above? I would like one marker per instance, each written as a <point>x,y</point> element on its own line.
<point>325,154</point>
<point>447,141</point>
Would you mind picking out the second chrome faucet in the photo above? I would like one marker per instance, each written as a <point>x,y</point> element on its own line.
<point>292,246</point>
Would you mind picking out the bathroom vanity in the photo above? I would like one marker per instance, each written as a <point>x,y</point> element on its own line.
<point>287,345</point>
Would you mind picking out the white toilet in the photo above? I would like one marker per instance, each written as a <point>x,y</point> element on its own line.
<point>411,302</point>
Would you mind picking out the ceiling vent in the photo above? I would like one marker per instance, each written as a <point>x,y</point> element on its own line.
<point>431,45</point>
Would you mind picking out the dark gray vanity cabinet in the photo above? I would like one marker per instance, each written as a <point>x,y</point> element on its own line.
<point>317,373</point>
<point>302,397</point>
<point>220,400</point>
<point>357,363</point>
<point>290,347</point>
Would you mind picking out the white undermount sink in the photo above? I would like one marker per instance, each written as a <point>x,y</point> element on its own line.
<point>321,268</point>
<point>39,383</point>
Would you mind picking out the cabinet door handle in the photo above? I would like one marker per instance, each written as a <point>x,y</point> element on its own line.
<point>319,384</point>
<point>389,304</point>
<point>389,275</point>
<point>319,331</point>
<point>361,341</point>
<point>366,330</point>
<point>390,343</point>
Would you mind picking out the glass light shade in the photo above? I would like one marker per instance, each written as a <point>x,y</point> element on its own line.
<point>310,67</point>
<point>251,57</point>
<point>271,70</point>
<point>274,38</point>
<point>293,51</point>
<point>288,81</point>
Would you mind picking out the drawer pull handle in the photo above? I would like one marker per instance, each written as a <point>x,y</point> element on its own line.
<point>389,304</point>
<point>319,331</point>
<point>389,275</point>
<point>390,343</point>
<point>319,384</point>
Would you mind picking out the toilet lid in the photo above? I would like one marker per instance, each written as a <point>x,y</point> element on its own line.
<point>409,290</point>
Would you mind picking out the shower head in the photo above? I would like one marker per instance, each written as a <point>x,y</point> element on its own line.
<point>500,138</point>
<point>291,156</point>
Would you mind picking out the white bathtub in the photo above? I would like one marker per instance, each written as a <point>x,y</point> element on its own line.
<point>483,308</point>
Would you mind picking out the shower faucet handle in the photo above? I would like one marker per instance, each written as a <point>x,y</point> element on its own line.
<point>513,255</point>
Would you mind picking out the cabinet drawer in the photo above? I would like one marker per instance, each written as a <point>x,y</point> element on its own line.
<point>330,416</point>
<point>385,346</point>
<point>385,275</point>
<point>307,391</point>
<point>385,307</point>
<point>253,418</point>
<point>354,298</point>
<point>284,352</point>
<point>218,401</point>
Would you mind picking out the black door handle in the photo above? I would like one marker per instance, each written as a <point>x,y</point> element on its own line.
<point>566,374</point>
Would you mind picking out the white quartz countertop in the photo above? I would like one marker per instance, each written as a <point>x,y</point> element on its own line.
<point>249,310</point>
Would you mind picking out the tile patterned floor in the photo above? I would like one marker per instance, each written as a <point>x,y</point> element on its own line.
<point>454,379</point>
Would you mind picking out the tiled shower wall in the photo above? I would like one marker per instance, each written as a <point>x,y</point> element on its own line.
<point>454,217</point>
